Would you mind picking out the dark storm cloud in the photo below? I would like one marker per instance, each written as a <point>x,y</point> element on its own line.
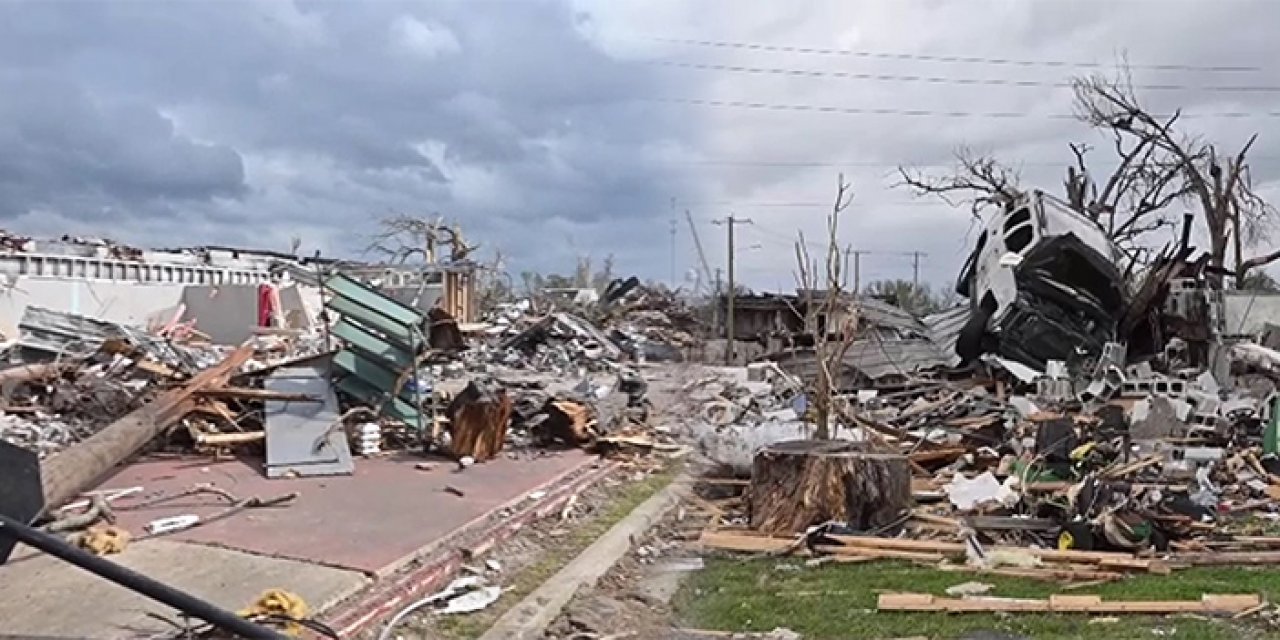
<point>308,117</point>
<point>58,142</point>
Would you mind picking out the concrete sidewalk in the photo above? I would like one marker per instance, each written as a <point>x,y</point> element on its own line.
<point>342,535</point>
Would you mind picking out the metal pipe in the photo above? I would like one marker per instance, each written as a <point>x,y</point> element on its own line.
<point>184,602</point>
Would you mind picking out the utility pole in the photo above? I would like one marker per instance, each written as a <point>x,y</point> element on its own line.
<point>673,254</point>
<point>915,269</point>
<point>857,266</point>
<point>729,222</point>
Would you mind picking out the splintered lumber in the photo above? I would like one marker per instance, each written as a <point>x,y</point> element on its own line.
<point>1227,558</point>
<point>75,469</point>
<point>242,393</point>
<point>869,552</point>
<point>937,455</point>
<point>225,439</point>
<point>1046,573</point>
<point>799,483</point>
<point>1062,603</point>
<point>30,372</point>
<point>569,421</point>
<point>1104,559</point>
<point>478,420</point>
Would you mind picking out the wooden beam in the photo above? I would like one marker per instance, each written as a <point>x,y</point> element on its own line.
<point>730,541</point>
<point>868,552</point>
<point>1232,603</point>
<point>244,393</point>
<point>1227,558</point>
<point>1106,558</point>
<point>227,439</point>
<point>77,468</point>
<point>30,372</point>
<point>1047,573</point>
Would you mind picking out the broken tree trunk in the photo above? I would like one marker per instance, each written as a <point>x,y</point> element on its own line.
<point>30,373</point>
<point>569,422</point>
<point>801,483</point>
<point>478,419</point>
<point>75,469</point>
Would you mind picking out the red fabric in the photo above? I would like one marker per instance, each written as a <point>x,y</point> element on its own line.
<point>266,305</point>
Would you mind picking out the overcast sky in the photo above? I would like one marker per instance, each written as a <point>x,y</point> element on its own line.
<point>557,129</point>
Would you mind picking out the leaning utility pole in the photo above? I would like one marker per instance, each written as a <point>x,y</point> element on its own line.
<point>702,256</point>
<point>729,223</point>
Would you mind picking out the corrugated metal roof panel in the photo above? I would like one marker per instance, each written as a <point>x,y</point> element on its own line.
<point>943,328</point>
<point>381,339</point>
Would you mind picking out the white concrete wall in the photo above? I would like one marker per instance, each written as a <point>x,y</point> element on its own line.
<point>124,302</point>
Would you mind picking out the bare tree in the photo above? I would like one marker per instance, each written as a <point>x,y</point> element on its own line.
<point>493,282</point>
<point>1177,166</point>
<point>977,180</point>
<point>829,280</point>
<point>403,237</point>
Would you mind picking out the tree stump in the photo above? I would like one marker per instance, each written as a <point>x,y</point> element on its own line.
<point>478,419</point>
<point>799,483</point>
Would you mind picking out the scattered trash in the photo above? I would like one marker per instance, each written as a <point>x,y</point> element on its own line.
<point>970,589</point>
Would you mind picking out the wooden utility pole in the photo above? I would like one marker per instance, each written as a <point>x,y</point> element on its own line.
<point>915,269</point>
<point>76,468</point>
<point>729,222</point>
<point>857,267</point>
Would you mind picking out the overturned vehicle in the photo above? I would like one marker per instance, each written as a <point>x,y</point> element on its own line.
<point>1042,281</point>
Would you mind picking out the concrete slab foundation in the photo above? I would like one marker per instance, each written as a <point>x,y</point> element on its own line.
<point>372,521</point>
<point>41,596</point>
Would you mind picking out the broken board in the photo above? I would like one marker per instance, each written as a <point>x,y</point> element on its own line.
<point>1208,603</point>
<point>305,438</point>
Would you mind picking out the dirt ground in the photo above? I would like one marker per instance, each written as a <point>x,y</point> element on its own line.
<point>636,598</point>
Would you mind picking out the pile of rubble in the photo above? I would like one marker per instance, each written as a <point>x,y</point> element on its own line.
<point>385,376</point>
<point>1077,427</point>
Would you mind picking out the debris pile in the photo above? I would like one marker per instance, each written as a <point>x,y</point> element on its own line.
<point>1083,429</point>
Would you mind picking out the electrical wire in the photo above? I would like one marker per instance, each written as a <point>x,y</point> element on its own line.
<point>951,59</point>
<point>804,164</point>
<point>979,82</point>
<point>866,111</point>
<point>395,620</point>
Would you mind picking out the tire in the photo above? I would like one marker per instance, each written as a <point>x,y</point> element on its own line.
<point>972,337</point>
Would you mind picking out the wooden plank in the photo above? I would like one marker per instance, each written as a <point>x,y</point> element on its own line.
<point>892,554</point>
<point>1063,603</point>
<point>1124,470</point>
<point>940,521</point>
<point>1116,560</point>
<point>1227,558</point>
<point>1047,573</point>
<point>245,393</point>
<point>226,439</point>
<point>948,455</point>
<point>730,541</point>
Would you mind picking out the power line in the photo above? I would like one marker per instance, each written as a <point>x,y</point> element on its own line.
<point>732,203</point>
<point>860,111</point>
<point>885,55</point>
<point>874,164</point>
<point>980,82</point>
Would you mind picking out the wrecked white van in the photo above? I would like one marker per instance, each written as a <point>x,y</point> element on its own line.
<point>1042,281</point>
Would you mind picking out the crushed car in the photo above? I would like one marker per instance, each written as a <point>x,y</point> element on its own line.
<point>1042,281</point>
